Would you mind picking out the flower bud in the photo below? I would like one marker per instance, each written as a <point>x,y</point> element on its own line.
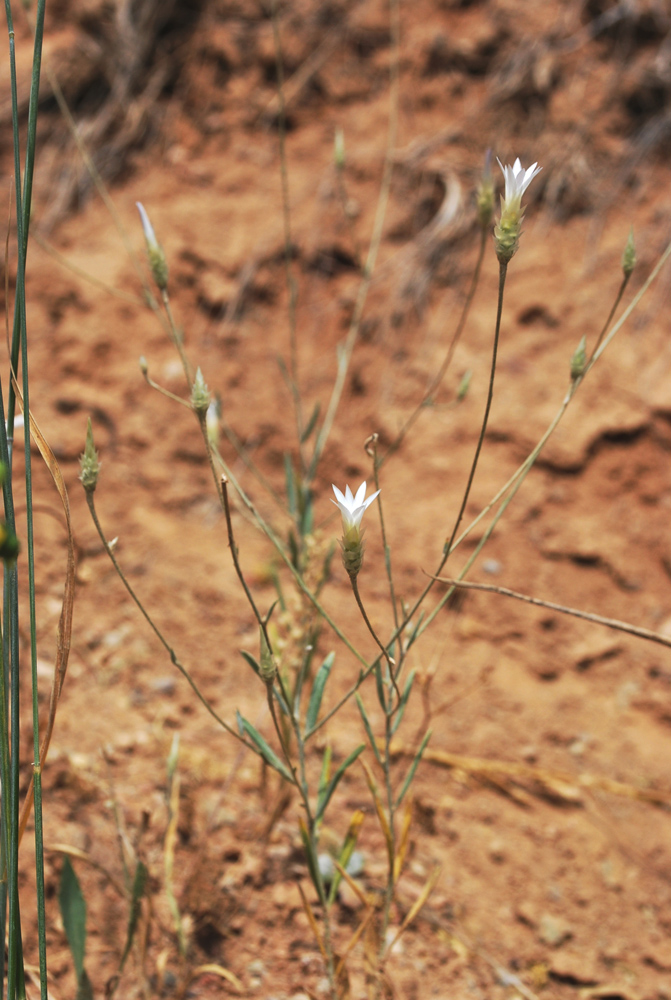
<point>266,661</point>
<point>157,262</point>
<point>89,462</point>
<point>200,394</point>
<point>629,255</point>
<point>579,360</point>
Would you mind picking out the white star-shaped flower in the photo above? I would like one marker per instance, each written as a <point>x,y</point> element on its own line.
<point>517,181</point>
<point>352,506</point>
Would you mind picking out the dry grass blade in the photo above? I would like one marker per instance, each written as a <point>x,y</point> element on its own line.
<point>428,888</point>
<point>404,840</point>
<point>553,784</point>
<point>312,920</point>
<point>379,809</point>
<point>76,852</point>
<point>218,970</point>
<point>64,633</point>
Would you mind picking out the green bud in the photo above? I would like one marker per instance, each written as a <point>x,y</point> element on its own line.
<point>507,236</point>
<point>89,462</point>
<point>200,394</point>
<point>629,255</point>
<point>352,549</point>
<point>144,367</point>
<point>266,661</point>
<point>579,360</point>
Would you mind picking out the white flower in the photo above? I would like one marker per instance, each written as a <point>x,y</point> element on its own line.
<point>352,507</point>
<point>509,227</point>
<point>517,181</point>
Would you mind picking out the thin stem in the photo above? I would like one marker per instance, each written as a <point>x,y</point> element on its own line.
<point>177,338</point>
<point>391,663</point>
<point>614,623</point>
<point>618,298</point>
<point>372,449</point>
<point>155,629</point>
<point>436,381</point>
<point>164,392</point>
<point>503,268</point>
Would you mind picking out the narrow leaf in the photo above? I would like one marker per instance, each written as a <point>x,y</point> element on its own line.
<point>369,731</point>
<point>73,912</point>
<point>252,661</point>
<point>381,815</point>
<point>413,767</point>
<point>292,498</point>
<point>403,702</point>
<point>325,797</point>
<point>264,749</point>
<point>311,859</point>
<point>310,426</point>
<point>318,693</point>
<point>346,853</point>
<point>138,890</point>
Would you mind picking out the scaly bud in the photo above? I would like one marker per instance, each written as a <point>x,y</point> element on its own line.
<point>89,462</point>
<point>629,255</point>
<point>200,394</point>
<point>266,661</point>
<point>579,360</point>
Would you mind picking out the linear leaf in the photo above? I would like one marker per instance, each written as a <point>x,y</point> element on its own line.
<point>367,727</point>
<point>413,767</point>
<point>290,478</point>
<point>310,426</point>
<point>318,693</point>
<point>73,912</point>
<point>264,749</point>
<point>139,886</point>
<point>403,702</point>
<point>252,661</point>
<point>325,797</point>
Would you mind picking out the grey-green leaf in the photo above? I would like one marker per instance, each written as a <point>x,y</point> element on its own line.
<point>318,693</point>
<point>413,767</point>
<point>325,796</point>
<point>264,749</point>
<point>367,727</point>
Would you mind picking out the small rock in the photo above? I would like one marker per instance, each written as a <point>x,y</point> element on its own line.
<point>553,930</point>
